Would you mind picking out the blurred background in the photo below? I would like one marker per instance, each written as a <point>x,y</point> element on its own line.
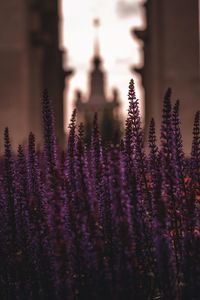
<point>85,52</point>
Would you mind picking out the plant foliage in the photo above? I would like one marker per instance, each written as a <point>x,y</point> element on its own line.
<point>102,221</point>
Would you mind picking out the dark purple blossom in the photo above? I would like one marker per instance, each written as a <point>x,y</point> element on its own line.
<point>102,220</point>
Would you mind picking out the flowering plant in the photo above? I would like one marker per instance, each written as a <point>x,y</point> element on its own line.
<point>102,221</point>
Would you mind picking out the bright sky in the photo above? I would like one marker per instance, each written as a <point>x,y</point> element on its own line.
<point>117,47</point>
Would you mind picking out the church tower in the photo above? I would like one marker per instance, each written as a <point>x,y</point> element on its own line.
<point>108,118</point>
<point>97,76</point>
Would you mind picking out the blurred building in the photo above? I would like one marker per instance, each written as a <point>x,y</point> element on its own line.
<point>107,109</point>
<point>171,59</point>
<point>30,60</point>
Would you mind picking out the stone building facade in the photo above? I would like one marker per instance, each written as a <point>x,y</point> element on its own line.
<point>30,60</point>
<point>171,59</point>
<point>107,109</point>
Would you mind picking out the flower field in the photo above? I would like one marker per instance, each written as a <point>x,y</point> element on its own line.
<point>102,221</point>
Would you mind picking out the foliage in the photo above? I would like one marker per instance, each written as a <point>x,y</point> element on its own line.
<point>102,221</point>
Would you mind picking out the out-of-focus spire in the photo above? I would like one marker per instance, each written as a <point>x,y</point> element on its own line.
<point>96,23</point>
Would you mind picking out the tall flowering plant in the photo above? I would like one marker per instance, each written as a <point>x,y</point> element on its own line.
<point>98,220</point>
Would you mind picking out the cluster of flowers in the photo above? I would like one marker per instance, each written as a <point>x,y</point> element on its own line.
<point>102,221</point>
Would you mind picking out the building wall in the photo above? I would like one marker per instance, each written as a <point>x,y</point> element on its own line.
<point>181,59</point>
<point>14,75</point>
<point>171,59</point>
<point>30,60</point>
